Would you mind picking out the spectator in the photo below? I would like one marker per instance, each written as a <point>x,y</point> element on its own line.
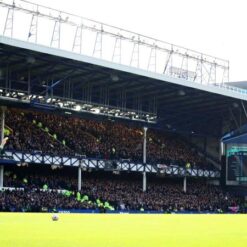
<point>63,135</point>
<point>121,192</point>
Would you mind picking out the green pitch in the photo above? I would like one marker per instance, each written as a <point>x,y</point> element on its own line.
<point>78,230</point>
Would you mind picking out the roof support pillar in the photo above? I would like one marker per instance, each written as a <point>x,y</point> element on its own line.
<point>3,109</point>
<point>144,180</point>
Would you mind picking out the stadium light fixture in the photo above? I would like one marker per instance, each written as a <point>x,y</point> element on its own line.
<point>95,110</point>
<point>69,106</point>
<point>77,108</point>
<point>20,94</point>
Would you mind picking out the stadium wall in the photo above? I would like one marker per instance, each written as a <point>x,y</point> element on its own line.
<point>77,211</point>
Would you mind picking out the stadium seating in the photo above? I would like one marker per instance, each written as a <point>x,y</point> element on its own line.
<point>55,134</point>
<point>107,191</point>
<point>44,189</point>
<point>29,137</point>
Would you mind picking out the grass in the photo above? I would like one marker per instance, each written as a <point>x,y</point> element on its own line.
<point>84,230</point>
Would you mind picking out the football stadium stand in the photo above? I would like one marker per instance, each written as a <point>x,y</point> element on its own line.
<point>131,124</point>
<point>43,189</point>
<point>54,134</point>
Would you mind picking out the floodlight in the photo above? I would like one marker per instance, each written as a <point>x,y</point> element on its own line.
<point>77,108</point>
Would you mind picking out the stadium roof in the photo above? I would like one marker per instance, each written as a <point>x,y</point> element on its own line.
<point>239,84</point>
<point>181,105</point>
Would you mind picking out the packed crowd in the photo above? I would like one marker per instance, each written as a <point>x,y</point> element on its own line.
<point>66,135</point>
<point>26,136</point>
<point>119,192</point>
